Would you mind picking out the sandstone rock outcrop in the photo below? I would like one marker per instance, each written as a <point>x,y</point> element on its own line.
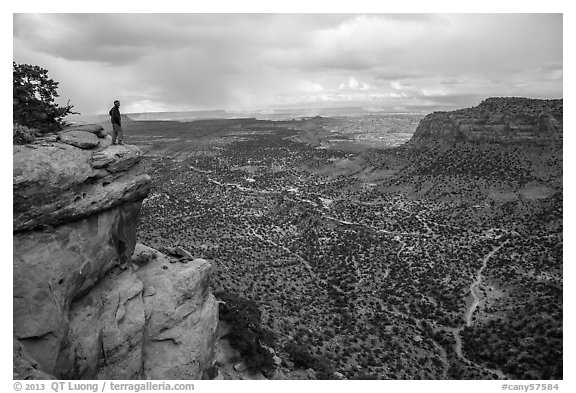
<point>104,339</point>
<point>55,184</point>
<point>494,120</point>
<point>56,265</point>
<point>181,318</point>
<point>81,139</point>
<point>95,129</point>
<point>83,308</point>
<point>116,158</point>
<point>58,183</point>
<point>147,322</point>
<point>24,366</point>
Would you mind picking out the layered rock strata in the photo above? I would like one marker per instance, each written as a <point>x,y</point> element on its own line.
<point>83,308</point>
<point>494,120</point>
<point>155,320</point>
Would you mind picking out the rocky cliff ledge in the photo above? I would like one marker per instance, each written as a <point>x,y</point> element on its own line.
<point>86,305</point>
<point>496,120</point>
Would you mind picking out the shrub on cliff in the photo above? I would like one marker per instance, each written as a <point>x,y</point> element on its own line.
<point>247,335</point>
<point>23,135</point>
<point>303,359</point>
<point>299,355</point>
<point>33,99</point>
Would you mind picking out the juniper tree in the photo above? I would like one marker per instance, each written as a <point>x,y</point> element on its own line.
<point>34,95</point>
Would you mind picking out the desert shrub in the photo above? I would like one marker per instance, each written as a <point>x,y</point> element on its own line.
<point>299,355</point>
<point>23,135</point>
<point>247,334</point>
<point>302,358</point>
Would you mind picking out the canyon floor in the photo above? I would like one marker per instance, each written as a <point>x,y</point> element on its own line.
<point>370,258</point>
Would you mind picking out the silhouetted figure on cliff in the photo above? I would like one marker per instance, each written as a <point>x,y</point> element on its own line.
<point>116,123</point>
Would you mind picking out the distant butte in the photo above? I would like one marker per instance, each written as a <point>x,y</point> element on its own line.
<point>509,119</point>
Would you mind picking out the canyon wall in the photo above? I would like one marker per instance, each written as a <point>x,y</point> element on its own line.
<point>85,304</point>
<point>494,120</point>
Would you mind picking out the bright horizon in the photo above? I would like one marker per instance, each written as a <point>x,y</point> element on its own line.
<point>263,62</point>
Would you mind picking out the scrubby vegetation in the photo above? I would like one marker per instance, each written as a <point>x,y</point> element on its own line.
<point>23,135</point>
<point>363,262</point>
<point>247,334</point>
<point>304,360</point>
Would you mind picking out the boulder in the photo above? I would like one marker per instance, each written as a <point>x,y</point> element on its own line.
<point>181,253</point>
<point>81,139</point>
<point>116,158</point>
<point>142,255</point>
<point>95,129</point>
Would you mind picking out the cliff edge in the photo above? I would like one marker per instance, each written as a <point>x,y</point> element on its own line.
<point>496,119</point>
<point>85,304</point>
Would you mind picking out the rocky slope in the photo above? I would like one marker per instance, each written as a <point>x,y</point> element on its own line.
<point>84,304</point>
<point>494,119</point>
<point>504,149</point>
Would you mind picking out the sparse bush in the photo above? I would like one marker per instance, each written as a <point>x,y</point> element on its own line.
<point>247,335</point>
<point>23,135</point>
<point>299,355</point>
<point>391,284</point>
<point>303,359</point>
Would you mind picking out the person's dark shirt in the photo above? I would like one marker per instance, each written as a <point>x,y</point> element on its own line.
<point>115,115</point>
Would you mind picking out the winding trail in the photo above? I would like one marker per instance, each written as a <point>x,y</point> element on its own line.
<point>474,287</point>
<point>443,359</point>
<point>239,187</point>
<point>476,284</point>
<point>371,228</point>
<point>302,260</point>
<point>456,332</point>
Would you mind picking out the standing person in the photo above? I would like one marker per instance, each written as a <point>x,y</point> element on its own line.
<point>116,124</point>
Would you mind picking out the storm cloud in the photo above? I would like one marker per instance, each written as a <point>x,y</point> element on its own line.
<point>157,62</point>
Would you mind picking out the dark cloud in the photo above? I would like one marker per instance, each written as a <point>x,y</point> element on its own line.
<point>198,61</point>
<point>121,38</point>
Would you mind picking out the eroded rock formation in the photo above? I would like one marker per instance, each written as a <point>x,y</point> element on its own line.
<point>84,305</point>
<point>55,183</point>
<point>156,320</point>
<point>494,119</point>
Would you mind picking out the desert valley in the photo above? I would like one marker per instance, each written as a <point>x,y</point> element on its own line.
<point>436,256</point>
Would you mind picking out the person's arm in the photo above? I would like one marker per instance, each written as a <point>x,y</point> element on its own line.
<point>116,116</point>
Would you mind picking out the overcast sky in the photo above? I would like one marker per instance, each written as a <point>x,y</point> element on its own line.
<point>166,62</point>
